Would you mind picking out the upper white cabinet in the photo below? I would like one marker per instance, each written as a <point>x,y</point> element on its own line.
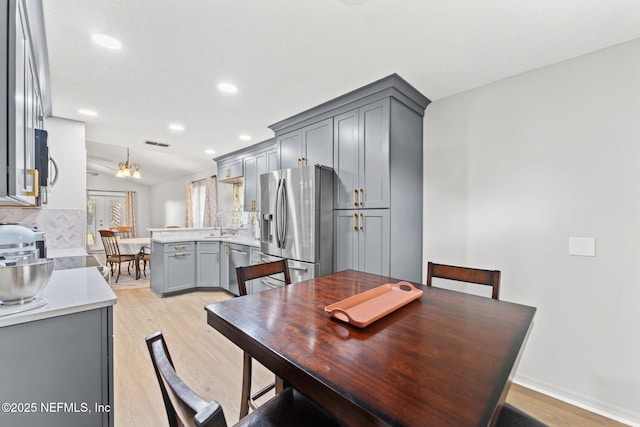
<point>26,100</point>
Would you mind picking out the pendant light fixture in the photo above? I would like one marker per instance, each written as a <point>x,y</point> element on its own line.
<point>125,169</point>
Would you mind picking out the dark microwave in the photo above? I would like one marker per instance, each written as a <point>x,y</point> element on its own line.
<point>47,175</point>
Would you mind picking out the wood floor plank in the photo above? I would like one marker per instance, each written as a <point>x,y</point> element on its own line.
<point>212,365</point>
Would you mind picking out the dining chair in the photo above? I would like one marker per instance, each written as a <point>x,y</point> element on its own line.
<point>185,408</point>
<point>244,275</point>
<point>510,416</point>
<point>143,255</point>
<point>465,274</point>
<point>124,231</point>
<point>112,252</point>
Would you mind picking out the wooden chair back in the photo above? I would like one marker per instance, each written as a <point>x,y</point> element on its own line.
<point>261,270</point>
<point>110,243</point>
<point>465,274</point>
<point>248,399</point>
<point>183,406</point>
<point>124,231</point>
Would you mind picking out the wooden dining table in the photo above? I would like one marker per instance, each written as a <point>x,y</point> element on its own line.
<point>445,359</point>
<point>134,245</point>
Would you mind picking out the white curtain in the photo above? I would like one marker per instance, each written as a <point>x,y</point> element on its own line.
<point>189,204</point>
<point>210,202</point>
<point>130,211</point>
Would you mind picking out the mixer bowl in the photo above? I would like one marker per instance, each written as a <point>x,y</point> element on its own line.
<point>21,282</point>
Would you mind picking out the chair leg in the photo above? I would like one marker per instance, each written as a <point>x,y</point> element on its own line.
<point>246,385</point>
<point>119,268</point>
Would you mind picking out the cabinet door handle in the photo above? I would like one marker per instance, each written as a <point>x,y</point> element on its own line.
<point>302,159</point>
<point>226,249</point>
<point>360,196</point>
<point>36,182</point>
<point>353,221</point>
<point>180,247</point>
<point>360,222</point>
<point>228,172</point>
<point>253,205</point>
<point>217,256</point>
<point>354,197</point>
<point>177,254</point>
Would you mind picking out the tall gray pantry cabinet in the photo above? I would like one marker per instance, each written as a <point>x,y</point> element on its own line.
<point>377,158</point>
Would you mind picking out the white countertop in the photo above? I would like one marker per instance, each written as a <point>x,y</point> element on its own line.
<point>68,291</point>
<point>241,240</point>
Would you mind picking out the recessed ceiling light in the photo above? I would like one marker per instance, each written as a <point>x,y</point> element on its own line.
<point>87,112</point>
<point>210,151</point>
<point>176,127</point>
<point>106,41</point>
<point>245,137</point>
<point>228,87</point>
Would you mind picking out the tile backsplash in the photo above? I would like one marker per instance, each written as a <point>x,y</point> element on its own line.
<point>63,228</point>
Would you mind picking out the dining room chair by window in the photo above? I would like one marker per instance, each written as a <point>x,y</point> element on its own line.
<point>124,232</point>
<point>112,253</point>
<point>244,275</point>
<point>465,274</point>
<point>185,408</point>
<point>143,255</point>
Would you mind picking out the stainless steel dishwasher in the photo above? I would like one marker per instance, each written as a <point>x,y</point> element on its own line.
<point>238,257</point>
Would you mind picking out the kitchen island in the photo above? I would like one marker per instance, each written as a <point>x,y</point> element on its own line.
<point>185,259</point>
<point>57,365</point>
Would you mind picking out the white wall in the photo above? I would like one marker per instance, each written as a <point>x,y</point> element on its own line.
<point>67,147</point>
<point>168,199</point>
<point>106,182</point>
<point>512,170</point>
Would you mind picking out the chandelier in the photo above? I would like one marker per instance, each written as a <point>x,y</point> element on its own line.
<point>124,169</point>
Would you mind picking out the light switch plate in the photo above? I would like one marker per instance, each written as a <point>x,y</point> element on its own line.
<point>582,246</point>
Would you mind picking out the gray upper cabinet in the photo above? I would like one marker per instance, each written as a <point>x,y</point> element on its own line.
<point>254,166</point>
<point>309,145</point>
<point>230,170</point>
<point>26,99</point>
<point>377,159</point>
<point>246,166</point>
<point>361,157</point>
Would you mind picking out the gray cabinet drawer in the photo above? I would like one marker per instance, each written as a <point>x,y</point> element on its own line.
<point>179,247</point>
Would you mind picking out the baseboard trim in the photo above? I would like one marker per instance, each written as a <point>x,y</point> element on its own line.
<point>581,401</point>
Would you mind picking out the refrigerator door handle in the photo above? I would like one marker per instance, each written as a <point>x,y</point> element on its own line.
<point>285,219</point>
<point>276,219</point>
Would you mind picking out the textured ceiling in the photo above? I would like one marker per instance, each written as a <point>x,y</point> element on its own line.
<point>287,56</point>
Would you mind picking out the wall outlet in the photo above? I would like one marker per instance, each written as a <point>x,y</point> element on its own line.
<point>582,246</point>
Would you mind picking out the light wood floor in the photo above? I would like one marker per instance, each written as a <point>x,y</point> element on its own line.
<point>212,365</point>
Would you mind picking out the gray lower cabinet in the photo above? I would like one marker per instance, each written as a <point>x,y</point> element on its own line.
<point>176,264</point>
<point>224,266</point>
<point>61,371</point>
<point>208,264</point>
<point>253,286</point>
<point>361,241</point>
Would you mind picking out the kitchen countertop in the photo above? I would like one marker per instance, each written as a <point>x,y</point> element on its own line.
<point>69,291</point>
<point>239,239</point>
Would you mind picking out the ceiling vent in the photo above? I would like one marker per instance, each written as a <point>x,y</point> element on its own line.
<point>157,144</point>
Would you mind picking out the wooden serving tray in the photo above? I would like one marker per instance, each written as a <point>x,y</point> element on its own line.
<point>365,308</point>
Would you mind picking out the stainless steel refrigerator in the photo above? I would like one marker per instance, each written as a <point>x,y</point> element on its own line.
<point>297,220</point>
